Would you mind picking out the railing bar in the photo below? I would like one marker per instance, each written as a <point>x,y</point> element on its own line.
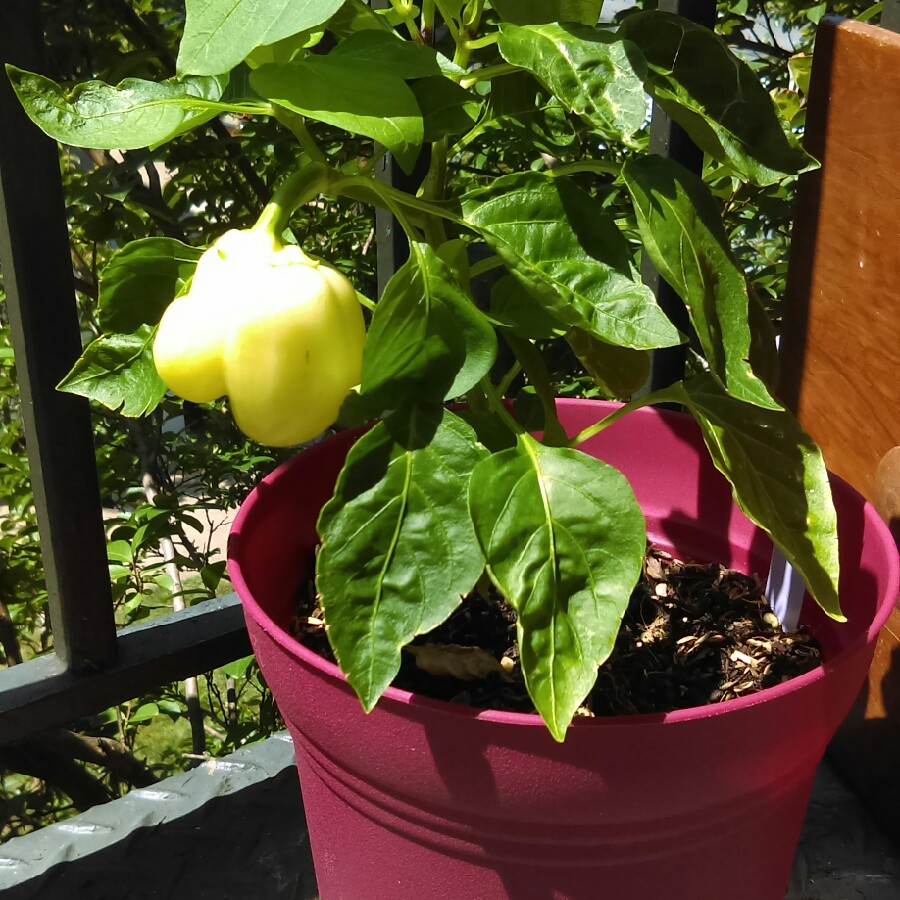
<point>391,248</point>
<point>41,694</point>
<point>668,138</point>
<point>37,272</point>
<point>890,15</point>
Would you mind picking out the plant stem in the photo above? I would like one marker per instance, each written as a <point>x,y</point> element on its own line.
<point>404,9</point>
<point>194,103</point>
<point>427,27</point>
<point>296,124</point>
<point>508,378</point>
<point>529,357</point>
<point>477,399</point>
<point>408,228</point>
<point>487,73</point>
<point>299,188</point>
<point>671,394</point>
<point>596,166</point>
<point>385,195</point>
<point>484,41</point>
<point>499,407</point>
<point>475,9</point>
<point>434,187</point>
<point>485,265</point>
<point>448,21</point>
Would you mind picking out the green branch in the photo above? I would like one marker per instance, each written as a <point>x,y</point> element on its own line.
<point>594,166</point>
<point>487,73</point>
<point>405,11</point>
<point>529,357</point>
<point>495,401</point>
<point>299,188</point>
<point>367,188</point>
<point>485,265</point>
<point>296,124</point>
<point>671,394</point>
<point>448,21</point>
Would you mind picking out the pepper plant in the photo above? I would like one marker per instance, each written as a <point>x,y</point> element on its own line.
<point>436,494</point>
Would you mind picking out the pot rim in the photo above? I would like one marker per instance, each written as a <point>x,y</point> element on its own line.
<point>406,698</point>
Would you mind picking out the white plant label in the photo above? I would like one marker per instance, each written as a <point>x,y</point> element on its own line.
<point>785,590</point>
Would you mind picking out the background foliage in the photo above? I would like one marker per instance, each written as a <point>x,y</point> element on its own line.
<point>164,478</point>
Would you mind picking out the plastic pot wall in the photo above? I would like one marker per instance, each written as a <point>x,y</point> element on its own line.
<point>426,799</point>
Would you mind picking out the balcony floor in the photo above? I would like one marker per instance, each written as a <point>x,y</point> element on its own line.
<point>234,828</point>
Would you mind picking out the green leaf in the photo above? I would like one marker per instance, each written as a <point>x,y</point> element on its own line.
<point>594,74</point>
<point>283,51</point>
<point>876,9</point>
<point>239,90</point>
<point>528,12</point>
<point>763,347</point>
<point>715,97</point>
<point>120,551</point>
<point>453,9</point>
<point>144,712</point>
<point>170,707</point>
<point>120,574</point>
<point>567,251</point>
<point>491,431</point>
<point>564,541</point>
<point>398,551</point>
<point>218,34</point>
<point>141,280</point>
<point>387,51</point>
<point>815,13</point>
<point>779,481</point>
<point>427,341</point>
<point>135,113</point>
<point>512,106</point>
<point>212,574</point>
<point>239,667</point>
<point>528,410</point>
<point>618,371</point>
<point>682,231</point>
<point>446,107</point>
<point>117,370</point>
<point>800,67</point>
<point>362,97</point>
<point>514,308</point>
<point>355,16</point>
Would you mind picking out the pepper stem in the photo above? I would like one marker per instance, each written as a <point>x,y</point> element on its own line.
<point>298,188</point>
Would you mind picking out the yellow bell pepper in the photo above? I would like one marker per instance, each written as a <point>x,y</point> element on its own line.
<point>281,334</point>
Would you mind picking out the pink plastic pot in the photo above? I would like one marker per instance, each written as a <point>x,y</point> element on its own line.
<point>422,799</point>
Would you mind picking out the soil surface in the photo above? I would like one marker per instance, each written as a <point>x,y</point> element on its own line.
<point>693,634</point>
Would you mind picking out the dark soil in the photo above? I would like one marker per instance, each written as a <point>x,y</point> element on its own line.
<point>692,635</point>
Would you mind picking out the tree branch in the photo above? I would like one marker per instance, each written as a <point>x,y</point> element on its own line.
<point>30,757</point>
<point>743,43</point>
<point>8,638</point>
<point>101,751</point>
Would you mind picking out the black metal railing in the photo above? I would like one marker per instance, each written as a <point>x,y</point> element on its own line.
<point>92,666</point>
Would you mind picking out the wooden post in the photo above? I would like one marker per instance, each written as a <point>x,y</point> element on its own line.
<point>841,334</point>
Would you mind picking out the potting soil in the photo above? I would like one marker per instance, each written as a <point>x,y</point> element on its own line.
<point>693,634</point>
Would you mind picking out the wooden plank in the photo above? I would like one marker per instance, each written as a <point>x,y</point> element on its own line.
<point>840,368</point>
<point>842,323</point>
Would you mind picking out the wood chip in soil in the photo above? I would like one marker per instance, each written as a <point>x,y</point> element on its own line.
<point>693,634</point>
